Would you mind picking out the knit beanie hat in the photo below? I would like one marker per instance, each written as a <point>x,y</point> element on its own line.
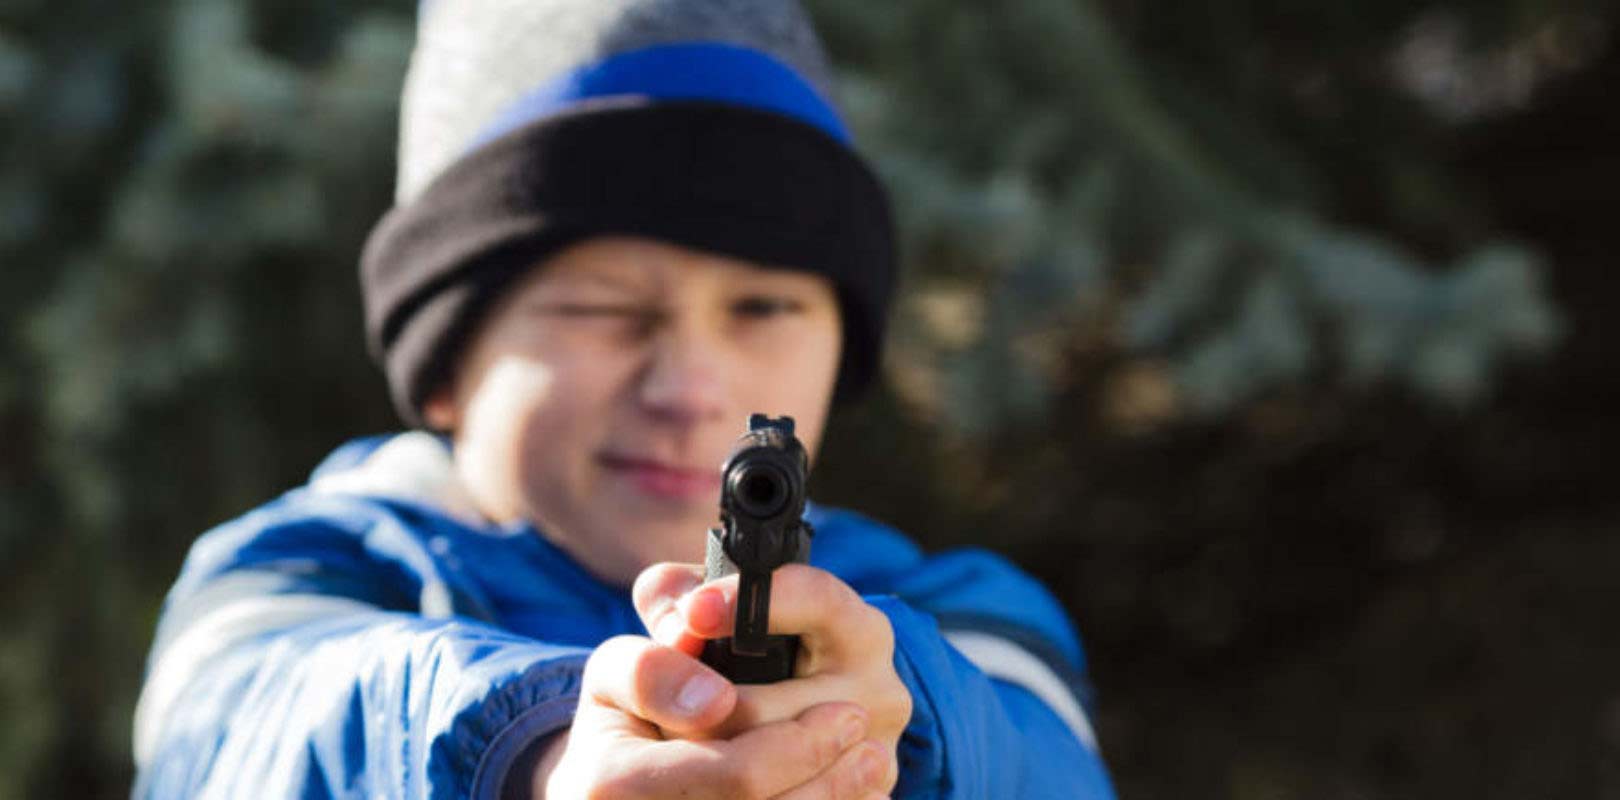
<point>527,125</point>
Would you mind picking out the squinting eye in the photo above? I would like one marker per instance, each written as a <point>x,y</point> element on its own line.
<point>591,310</point>
<point>764,306</point>
<point>638,320</point>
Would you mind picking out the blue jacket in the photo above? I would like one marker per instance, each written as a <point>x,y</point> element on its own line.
<point>366,635</point>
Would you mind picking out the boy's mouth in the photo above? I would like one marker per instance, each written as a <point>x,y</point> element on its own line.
<point>665,481</point>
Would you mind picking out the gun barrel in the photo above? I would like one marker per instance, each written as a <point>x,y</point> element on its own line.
<point>762,500</point>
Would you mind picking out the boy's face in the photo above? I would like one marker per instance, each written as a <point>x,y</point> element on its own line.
<point>602,393</point>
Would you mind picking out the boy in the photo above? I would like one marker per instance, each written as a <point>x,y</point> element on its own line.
<point>621,228</point>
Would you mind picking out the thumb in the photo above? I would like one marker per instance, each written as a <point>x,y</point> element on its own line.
<point>654,684</point>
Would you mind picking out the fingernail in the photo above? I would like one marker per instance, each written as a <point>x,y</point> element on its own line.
<point>852,731</point>
<point>667,631</point>
<point>698,692</point>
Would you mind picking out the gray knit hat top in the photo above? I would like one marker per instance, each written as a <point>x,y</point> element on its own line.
<point>528,124</point>
<point>474,58</point>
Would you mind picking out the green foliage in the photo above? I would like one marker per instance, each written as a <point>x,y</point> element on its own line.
<point>1034,158</point>
<point>1158,266</point>
<point>178,193</point>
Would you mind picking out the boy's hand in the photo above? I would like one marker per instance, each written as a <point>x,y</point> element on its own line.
<point>846,647</point>
<point>636,691</point>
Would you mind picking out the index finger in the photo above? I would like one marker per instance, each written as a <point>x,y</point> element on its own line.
<point>832,619</point>
<point>655,593</point>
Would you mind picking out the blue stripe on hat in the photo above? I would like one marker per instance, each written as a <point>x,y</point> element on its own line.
<point>690,71</point>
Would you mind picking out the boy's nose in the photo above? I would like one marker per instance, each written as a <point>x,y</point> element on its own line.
<point>684,379</point>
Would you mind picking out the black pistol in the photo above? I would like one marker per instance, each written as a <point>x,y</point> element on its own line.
<point>762,496</point>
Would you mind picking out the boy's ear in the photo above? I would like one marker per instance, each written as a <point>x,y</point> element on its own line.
<point>439,411</point>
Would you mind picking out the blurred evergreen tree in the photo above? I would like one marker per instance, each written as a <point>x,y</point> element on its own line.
<point>1064,178</point>
<point>186,187</point>
<point>1164,272</point>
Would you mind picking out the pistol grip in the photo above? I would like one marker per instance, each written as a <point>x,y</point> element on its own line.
<point>752,656</point>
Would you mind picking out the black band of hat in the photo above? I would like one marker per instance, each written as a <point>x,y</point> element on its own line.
<point>749,184</point>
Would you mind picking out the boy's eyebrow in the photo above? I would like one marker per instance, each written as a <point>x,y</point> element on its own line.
<point>600,278</point>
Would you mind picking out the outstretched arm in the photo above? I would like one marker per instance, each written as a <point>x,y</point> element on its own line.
<point>323,657</point>
<point>1005,726</point>
<point>973,735</point>
<point>291,662</point>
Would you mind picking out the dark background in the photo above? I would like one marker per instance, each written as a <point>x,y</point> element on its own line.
<point>1275,336</point>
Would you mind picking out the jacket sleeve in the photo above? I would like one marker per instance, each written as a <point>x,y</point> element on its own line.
<point>329,655</point>
<point>996,671</point>
<point>972,735</point>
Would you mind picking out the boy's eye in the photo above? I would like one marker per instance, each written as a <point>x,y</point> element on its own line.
<point>640,318</point>
<point>762,306</point>
<point>601,310</point>
<point>593,310</point>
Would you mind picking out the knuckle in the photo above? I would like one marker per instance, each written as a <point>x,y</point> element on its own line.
<point>877,627</point>
<point>891,775</point>
<point>897,712</point>
<point>749,712</point>
<point>622,670</point>
<point>661,583</point>
<point>862,783</point>
<point>847,780</point>
<point>835,787</point>
<point>859,776</point>
<point>616,644</point>
<point>643,675</point>
<point>889,704</point>
<point>741,781</point>
<point>616,778</point>
<point>617,787</point>
<point>898,693</point>
<point>824,746</point>
<point>821,589</point>
<point>604,782</point>
<point>837,594</point>
<point>602,658</point>
<point>645,585</point>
